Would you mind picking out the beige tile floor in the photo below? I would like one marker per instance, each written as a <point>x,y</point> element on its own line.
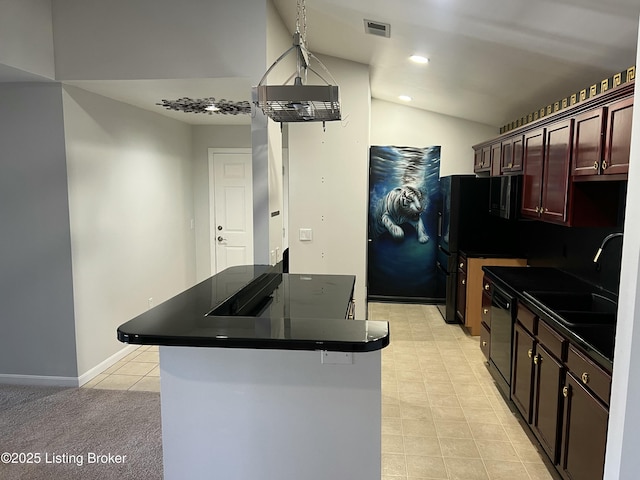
<point>442,415</point>
<point>139,370</point>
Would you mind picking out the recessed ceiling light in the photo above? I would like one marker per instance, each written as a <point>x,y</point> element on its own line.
<point>419,59</point>
<point>405,98</point>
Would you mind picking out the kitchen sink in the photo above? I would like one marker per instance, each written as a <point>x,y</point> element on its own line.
<point>577,308</point>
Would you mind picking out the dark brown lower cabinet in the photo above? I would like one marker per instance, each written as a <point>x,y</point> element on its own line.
<point>549,375</point>
<point>584,433</point>
<point>522,371</point>
<point>461,296</point>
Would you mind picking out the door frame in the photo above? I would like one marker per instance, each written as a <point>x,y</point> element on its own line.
<point>211,152</point>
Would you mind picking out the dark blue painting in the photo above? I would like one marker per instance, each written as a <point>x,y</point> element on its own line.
<point>404,201</point>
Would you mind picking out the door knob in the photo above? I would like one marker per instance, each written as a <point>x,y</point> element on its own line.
<point>565,392</point>
<point>220,238</point>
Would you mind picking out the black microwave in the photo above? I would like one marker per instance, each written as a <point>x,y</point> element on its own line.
<point>505,192</point>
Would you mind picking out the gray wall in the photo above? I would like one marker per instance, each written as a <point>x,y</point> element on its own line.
<point>36,294</point>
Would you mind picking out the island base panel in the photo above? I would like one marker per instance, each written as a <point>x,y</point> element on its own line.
<point>269,414</point>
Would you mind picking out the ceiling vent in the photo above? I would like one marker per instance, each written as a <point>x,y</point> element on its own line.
<point>377,28</point>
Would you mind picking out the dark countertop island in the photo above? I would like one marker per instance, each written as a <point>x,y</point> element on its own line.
<point>597,340</point>
<point>254,306</point>
<point>291,370</point>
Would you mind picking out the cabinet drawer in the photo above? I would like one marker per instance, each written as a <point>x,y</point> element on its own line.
<point>552,341</point>
<point>485,340</point>
<point>589,374</point>
<point>486,309</point>
<point>527,318</point>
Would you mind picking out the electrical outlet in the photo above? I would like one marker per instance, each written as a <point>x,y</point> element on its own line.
<point>336,358</point>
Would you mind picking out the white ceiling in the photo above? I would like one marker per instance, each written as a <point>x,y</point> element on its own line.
<point>492,61</point>
<point>146,94</point>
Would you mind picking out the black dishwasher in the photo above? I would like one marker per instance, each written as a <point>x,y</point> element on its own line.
<point>502,320</point>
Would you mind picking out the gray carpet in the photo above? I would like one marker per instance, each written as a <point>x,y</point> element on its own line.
<point>69,427</point>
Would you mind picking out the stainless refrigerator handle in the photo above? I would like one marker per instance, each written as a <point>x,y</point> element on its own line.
<point>439,224</point>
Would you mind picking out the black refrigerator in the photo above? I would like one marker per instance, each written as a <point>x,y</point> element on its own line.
<point>465,225</point>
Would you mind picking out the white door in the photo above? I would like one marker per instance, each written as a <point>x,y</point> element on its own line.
<point>232,223</point>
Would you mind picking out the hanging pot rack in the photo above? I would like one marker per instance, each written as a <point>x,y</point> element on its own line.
<point>299,102</point>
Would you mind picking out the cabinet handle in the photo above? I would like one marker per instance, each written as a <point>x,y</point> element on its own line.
<point>537,209</point>
<point>585,378</point>
<point>484,344</point>
<point>464,282</point>
<point>461,265</point>
<point>530,353</point>
<point>604,165</point>
<point>545,210</point>
<point>487,286</point>
<point>595,165</point>
<point>537,359</point>
<point>485,311</point>
<point>510,165</point>
<point>565,392</point>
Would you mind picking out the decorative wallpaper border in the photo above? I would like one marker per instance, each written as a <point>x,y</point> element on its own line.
<point>616,80</point>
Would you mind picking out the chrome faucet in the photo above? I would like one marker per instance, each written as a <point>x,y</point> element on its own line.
<point>604,243</point>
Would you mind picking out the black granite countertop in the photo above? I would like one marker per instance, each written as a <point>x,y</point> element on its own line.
<point>597,341</point>
<point>254,306</point>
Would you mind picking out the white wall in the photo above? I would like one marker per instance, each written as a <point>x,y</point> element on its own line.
<point>203,138</point>
<point>143,39</point>
<point>394,124</point>
<point>131,205</point>
<point>622,460</point>
<point>26,36</point>
<point>329,172</point>
<point>36,291</point>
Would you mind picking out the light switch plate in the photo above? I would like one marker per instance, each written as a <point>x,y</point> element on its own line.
<point>306,234</point>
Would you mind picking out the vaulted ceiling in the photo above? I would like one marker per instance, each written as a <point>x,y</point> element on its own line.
<point>491,61</point>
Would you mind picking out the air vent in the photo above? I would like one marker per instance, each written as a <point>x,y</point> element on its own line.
<point>377,28</point>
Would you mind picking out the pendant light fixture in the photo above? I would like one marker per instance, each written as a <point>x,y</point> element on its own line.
<point>297,101</point>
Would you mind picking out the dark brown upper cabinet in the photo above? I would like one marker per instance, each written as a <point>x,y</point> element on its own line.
<point>602,142</point>
<point>482,161</point>
<point>618,137</point>
<point>533,171</point>
<point>588,142</point>
<point>512,154</point>
<point>555,184</point>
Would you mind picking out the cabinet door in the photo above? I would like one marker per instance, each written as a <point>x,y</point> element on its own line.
<point>477,159</point>
<point>496,159</point>
<point>533,165</point>
<point>584,433</point>
<point>522,371</point>
<point>557,159</point>
<point>618,138</point>
<point>461,295</point>
<point>518,152</point>
<point>506,160</point>
<point>587,142</point>
<point>546,400</point>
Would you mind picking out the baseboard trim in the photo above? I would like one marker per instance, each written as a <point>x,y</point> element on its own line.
<point>38,380</point>
<point>56,381</point>
<point>102,366</point>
